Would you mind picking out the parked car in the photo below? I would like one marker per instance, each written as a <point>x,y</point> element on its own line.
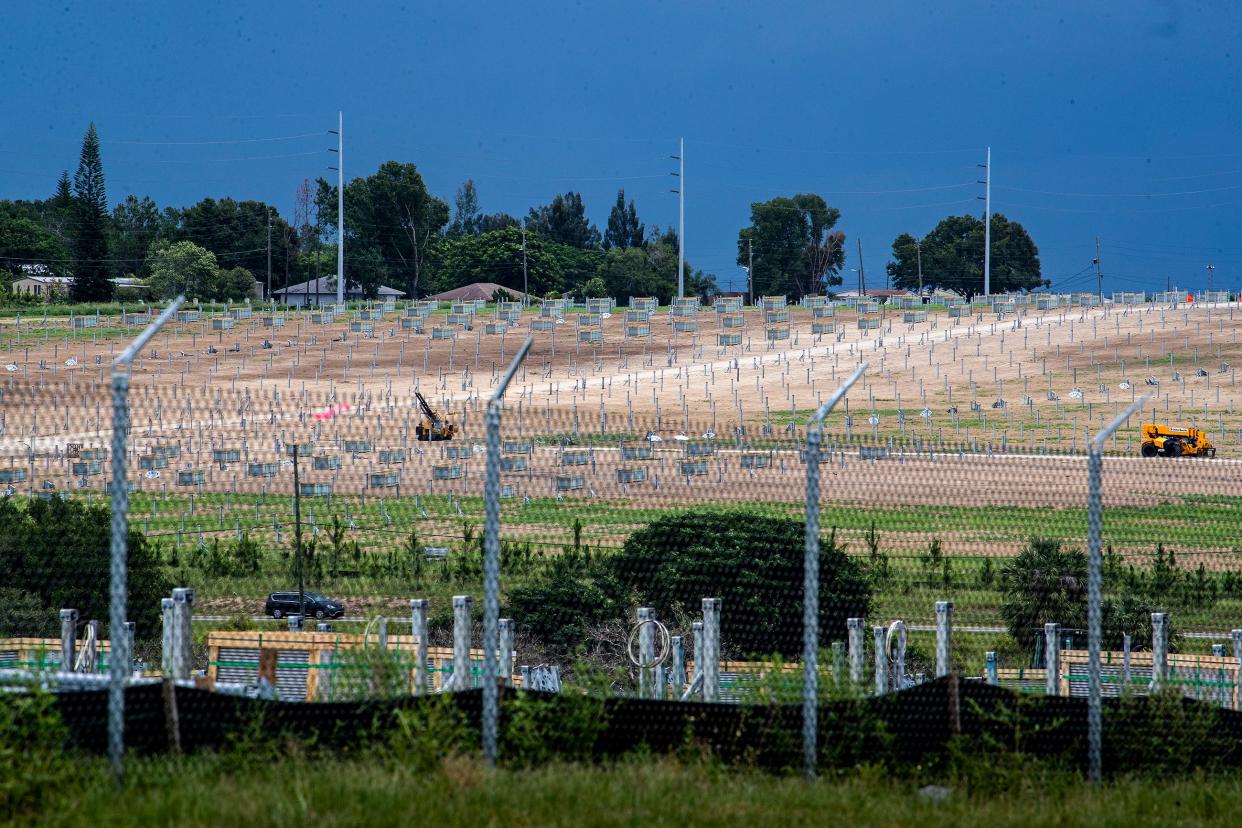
<point>280,604</point>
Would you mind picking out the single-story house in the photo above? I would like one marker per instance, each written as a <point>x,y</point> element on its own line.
<point>322,291</point>
<point>45,286</point>
<point>474,292</point>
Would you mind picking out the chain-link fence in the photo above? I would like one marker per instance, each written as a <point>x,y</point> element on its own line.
<point>660,514</point>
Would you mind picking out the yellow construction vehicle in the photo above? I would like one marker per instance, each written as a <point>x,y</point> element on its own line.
<point>1163,441</point>
<point>433,426</point>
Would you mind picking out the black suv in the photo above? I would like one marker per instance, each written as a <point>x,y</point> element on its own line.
<point>280,604</point>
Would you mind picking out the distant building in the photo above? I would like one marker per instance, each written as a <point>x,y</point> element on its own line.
<point>38,281</point>
<point>476,291</point>
<point>43,286</point>
<point>322,291</point>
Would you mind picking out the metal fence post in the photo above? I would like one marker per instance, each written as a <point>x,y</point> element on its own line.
<point>878,635</point>
<point>459,679</point>
<point>418,630</point>
<point>857,647</point>
<point>1052,659</point>
<point>810,580</point>
<point>646,650</point>
<point>1159,650</point>
<point>711,649</point>
<point>944,637</point>
<point>68,639</point>
<point>1236,637</point>
<point>1095,516</point>
<point>118,548</point>
<point>677,675</point>
<point>506,651</point>
<point>491,558</point>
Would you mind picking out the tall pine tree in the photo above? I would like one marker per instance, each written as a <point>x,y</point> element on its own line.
<point>90,237</point>
<point>624,229</point>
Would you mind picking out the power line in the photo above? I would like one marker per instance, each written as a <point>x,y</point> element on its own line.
<point>218,142</point>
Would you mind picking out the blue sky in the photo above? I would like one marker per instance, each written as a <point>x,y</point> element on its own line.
<point>1116,119</point>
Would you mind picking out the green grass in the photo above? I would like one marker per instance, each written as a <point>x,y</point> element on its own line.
<point>461,791</point>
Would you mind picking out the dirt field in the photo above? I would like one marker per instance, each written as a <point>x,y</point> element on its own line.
<point>966,412</point>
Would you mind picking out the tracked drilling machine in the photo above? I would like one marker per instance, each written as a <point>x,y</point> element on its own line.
<point>433,426</point>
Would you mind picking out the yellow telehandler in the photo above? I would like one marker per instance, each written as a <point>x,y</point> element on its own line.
<point>1162,441</point>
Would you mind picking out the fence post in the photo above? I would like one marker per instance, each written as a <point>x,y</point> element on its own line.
<point>944,637</point>
<point>1095,514</point>
<point>1236,637</point>
<point>881,660</point>
<point>418,630</point>
<point>166,648</point>
<point>711,649</point>
<point>460,677</point>
<point>857,649</point>
<point>491,558</point>
<point>1125,663</point>
<point>1052,659</point>
<point>118,546</point>
<point>678,675</point>
<point>810,579</point>
<point>1159,650</point>
<point>68,639</point>
<point>506,651</point>
<point>646,650</point>
<point>990,667</point>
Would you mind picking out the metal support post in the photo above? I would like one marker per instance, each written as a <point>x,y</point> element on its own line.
<point>1052,659</point>
<point>879,636</point>
<point>166,639</point>
<point>944,640</point>
<point>1159,650</point>
<point>711,649</point>
<point>491,557</point>
<point>857,647</point>
<point>1095,517</point>
<point>1236,637</point>
<point>459,679</point>
<point>646,652</point>
<point>506,651</point>
<point>810,579</point>
<point>418,630</point>
<point>678,677</point>
<point>68,639</point>
<point>118,547</point>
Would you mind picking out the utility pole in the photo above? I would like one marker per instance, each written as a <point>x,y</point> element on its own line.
<point>297,531</point>
<point>1210,268</point>
<point>750,270</point>
<point>680,158</point>
<point>987,225</point>
<point>918,252</point>
<point>340,205</point>
<point>862,277</point>
<point>525,285</point>
<point>1099,276</point>
<point>269,252</point>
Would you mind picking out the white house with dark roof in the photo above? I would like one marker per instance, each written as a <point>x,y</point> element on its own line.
<point>322,291</point>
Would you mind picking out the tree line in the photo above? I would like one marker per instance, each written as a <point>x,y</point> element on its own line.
<point>398,233</point>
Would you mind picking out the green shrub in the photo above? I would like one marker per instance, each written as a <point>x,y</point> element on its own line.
<point>754,564</point>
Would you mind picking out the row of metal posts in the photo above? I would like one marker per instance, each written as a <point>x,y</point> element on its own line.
<point>653,680</point>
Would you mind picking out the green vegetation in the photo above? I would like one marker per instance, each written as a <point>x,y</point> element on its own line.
<point>56,553</point>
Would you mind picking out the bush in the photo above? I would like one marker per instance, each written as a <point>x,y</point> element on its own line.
<point>1045,583</point>
<point>59,551</point>
<point>753,563</point>
<point>23,614</point>
<point>560,607</point>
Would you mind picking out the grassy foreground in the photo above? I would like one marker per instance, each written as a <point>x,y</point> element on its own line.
<point>640,791</point>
